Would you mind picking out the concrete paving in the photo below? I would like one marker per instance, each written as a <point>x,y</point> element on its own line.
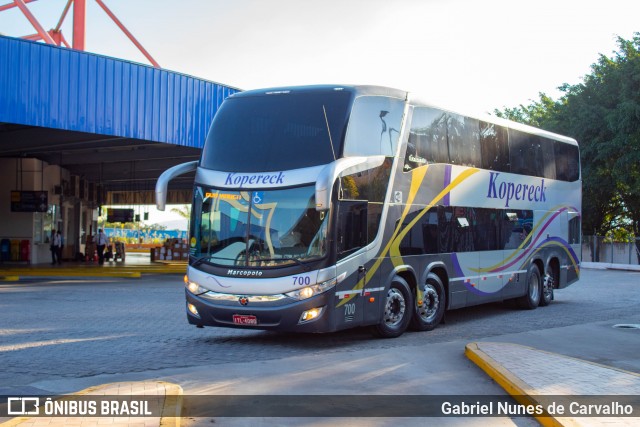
<point>426,370</point>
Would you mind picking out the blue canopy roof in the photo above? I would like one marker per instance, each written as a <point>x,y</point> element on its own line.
<point>53,87</point>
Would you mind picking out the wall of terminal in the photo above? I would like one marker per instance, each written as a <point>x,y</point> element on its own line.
<point>72,215</point>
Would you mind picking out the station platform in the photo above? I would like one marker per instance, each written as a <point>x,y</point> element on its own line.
<point>134,266</point>
<point>537,377</point>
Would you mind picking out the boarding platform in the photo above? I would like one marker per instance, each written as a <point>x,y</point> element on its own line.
<point>134,266</point>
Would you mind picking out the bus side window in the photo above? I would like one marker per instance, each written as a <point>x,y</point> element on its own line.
<point>548,157</point>
<point>567,161</point>
<point>374,126</point>
<point>370,186</point>
<point>430,232</point>
<point>463,140</point>
<point>486,230</point>
<point>352,226</point>
<point>494,147</point>
<point>517,226</point>
<point>523,153</point>
<point>574,228</point>
<point>427,138</point>
<point>445,229</point>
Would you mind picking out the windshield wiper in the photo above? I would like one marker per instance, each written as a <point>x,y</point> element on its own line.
<point>295,260</point>
<point>199,261</point>
<point>206,258</point>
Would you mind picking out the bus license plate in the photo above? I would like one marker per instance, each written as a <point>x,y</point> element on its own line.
<point>242,319</point>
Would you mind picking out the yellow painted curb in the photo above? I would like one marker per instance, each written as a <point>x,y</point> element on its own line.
<point>9,278</point>
<point>517,388</point>
<point>171,411</point>
<point>76,273</point>
<point>132,271</point>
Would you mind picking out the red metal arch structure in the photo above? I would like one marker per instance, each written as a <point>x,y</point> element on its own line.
<point>55,36</point>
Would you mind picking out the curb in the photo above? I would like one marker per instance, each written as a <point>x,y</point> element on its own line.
<point>517,388</point>
<point>171,410</point>
<point>71,273</point>
<point>609,266</point>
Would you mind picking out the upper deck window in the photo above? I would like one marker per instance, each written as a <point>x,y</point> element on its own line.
<point>283,131</point>
<point>374,126</point>
<point>427,138</point>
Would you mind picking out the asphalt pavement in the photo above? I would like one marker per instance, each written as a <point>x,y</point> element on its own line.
<point>539,367</point>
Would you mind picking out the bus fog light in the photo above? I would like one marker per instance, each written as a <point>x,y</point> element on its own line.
<point>193,310</point>
<point>314,313</point>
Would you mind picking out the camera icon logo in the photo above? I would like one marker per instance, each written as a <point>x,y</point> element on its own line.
<point>23,406</point>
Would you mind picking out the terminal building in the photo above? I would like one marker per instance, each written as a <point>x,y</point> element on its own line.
<point>79,131</point>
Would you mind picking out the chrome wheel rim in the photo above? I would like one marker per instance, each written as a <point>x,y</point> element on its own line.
<point>395,308</point>
<point>547,287</point>
<point>430,303</point>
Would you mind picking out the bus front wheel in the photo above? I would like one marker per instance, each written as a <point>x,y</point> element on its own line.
<point>430,304</point>
<point>531,299</point>
<point>397,310</point>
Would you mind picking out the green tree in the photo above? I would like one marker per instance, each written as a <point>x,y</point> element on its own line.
<point>183,211</point>
<point>603,114</point>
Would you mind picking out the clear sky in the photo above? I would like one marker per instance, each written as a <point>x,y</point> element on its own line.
<point>471,54</point>
<point>468,54</point>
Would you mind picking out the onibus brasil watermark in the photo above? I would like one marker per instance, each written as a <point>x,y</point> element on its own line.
<point>82,406</point>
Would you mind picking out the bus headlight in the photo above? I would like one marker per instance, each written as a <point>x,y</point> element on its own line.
<point>193,287</point>
<point>309,291</point>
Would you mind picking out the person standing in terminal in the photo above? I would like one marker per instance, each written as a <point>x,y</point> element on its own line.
<point>52,247</point>
<point>101,243</point>
<point>58,246</point>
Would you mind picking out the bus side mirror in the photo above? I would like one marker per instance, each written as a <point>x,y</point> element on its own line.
<point>163,181</point>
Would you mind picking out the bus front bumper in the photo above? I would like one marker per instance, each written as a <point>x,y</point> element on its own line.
<point>290,315</point>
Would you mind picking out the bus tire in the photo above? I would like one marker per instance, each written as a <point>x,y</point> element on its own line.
<point>397,310</point>
<point>531,299</point>
<point>547,290</point>
<point>428,312</point>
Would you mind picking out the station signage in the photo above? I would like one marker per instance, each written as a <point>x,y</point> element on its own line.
<point>29,201</point>
<point>120,215</point>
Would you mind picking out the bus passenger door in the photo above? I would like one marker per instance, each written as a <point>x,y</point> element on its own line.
<point>516,228</point>
<point>490,254</point>
<point>351,241</point>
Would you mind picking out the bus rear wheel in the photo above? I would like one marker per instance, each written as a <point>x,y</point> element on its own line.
<point>531,299</point>
<point>547,289</point>
<point>397,310</point>
<point>430,304</point>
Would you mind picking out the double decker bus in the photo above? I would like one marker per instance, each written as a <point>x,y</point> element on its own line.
<point>321,208</point>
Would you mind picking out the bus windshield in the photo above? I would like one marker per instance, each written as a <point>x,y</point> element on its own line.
<point>263,229</point>
<point>277,132</point>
